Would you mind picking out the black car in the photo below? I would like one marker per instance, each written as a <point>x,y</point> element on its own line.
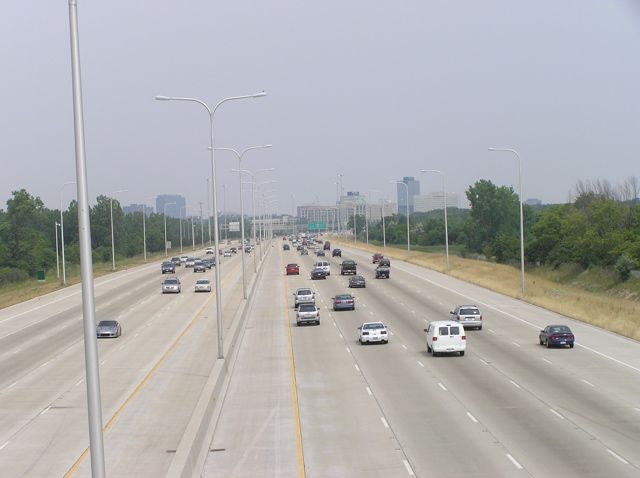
<point>208,263</point>
<point>357,281</point>
<point>199,266</point>
<point>168,267</point>
<point>318,273</point>
<point>320,253</point>
<point>559,335</point>
<point>285,247</point>
<point>176,261</point>
<point>336,253</point>
<point>348,267</point>
<point>382,272</point>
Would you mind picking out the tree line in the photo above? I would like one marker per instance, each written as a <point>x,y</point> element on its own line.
<point>599,227</point>
<point>28,234</point>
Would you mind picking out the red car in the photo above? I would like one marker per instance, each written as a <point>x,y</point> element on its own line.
<point>293,269</point>
<point>376,257</point>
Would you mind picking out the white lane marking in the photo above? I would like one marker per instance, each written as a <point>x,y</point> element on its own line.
<point>514,461</point>
<point>618,457</point>
<point>348,350</point>
<point>587,382</point>
<point>79,382</point>
<point>516,344</point>
<point>103,362</point>
<point>45,410</point>
<point>514,384</point>
<point>340,335</point>
<point>4,444</point>
<point>371,312</point>
<point>402,304</point>
<point>636,409</point>
<point>492,331</point>
<point>16,351</point>
<point>442,386</point>
<point>356,366</point>
<point>369,391</point>
<point>384,422</point>
<point>421,364</point>
<point>472,418</point>
<point>404,346</point>
<point>408,467</point>
<point>334,324</point>
<point>548,361</point>
<point>137,334</point>
<point>391,333</point>
<point>413,311</point>
<point>484,361</point>
<point>44,364</point>
<point>121,347</point>
<point>556,414</point>
<point>12,385</point>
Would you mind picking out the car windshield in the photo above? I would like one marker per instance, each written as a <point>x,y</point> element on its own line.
<point>560,329</point>
<point>343,297</point>
<point>307,308</point>
<point>304,292</point>
<point>107,323</point>
<point>202,281</point>
<point>357,278</point>
<point>469,312</point>
<point>292,265</point>
<point>171,281</point>
<point>373,326</point>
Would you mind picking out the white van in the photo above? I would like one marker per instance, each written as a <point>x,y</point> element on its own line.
<point>324,265</point>
<point>446,337</point>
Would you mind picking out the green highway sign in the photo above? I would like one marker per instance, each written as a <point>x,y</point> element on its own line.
<point>317,225</point>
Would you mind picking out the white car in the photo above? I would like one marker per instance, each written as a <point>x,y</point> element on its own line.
<point>203,285</point>
<point>446,337</point>
<point>227,253</point>
<point>304,295</point>
<point>324,265</point>
<point>373,332</point>
<point>209,250</point>
<point>308,313</point>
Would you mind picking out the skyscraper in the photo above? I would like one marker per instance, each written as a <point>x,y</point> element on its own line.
<point>414,190</point>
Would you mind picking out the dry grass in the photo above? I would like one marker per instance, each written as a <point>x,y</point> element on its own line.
<point>16,293</point>
<point>617,314</point>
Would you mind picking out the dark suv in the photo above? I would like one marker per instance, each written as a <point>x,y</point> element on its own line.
<point>348,267</point>
<point>168,267</point>
<point>336,253</point>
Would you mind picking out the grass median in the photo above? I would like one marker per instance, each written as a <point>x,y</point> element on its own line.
<point>593,297</point>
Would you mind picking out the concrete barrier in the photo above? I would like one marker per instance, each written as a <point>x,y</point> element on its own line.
<point>193,448</point>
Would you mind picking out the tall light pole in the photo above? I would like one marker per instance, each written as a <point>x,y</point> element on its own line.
<point>57,250</point>
<point>92,371</point>
<point>355,230</point>
<point>253,205</point>
<point>509,150</point>
<point>144,231</point>
<point>180,219</point>
<point>212,113</point>
<point>64,267</point>
<point>407,188</point>
<point>444,196</point>
<point>113,249</point>
<point>240,155</point>
<point>224,211</point>
<point>164,213</point>
<point>209,210</point>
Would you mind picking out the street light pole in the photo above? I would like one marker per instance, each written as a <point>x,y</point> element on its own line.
<point>446,227</point>
<point>64,268</point>
<point>144,231</point>
<point>57,250</point>
<point>209,210</point>
<point>164,213</point>
<point>113,249</point>
<point>212,113</point>
<point>509,150</point>
<point>407,188</point>
<point>240,155</point>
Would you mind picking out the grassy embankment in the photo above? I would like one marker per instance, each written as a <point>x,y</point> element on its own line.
<point>19,292</point>
<point>593,296</point>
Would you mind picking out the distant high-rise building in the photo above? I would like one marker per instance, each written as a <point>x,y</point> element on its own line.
<point>414,190</point>
<point>132,208</point>
<point>173,210</point>
<point>435,200</point>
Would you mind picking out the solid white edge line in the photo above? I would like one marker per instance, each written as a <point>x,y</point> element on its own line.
<point>4,444</point>
<point>556,414</point>
<point>516,344</point>
<point>484,361</point>
<point>369,391</point>
<point>548,361</point>
<point>636,409</point>
<point>45,410</point>
<point>340,335</point>
<point>408,467</point>
<point>514,384</point>
<point>616,456</point>
<point>356,366</point>
<point>12,385</point>
<point>442,386</point>
<point>421,364</point>
<point>587,382</point>
<point>404,346</point>
<point>348,350</point>
<point>472,418</point>
<point>384,422</point>
<point>514,461</point>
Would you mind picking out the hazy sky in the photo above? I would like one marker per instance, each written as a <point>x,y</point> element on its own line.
<point>372,90</point>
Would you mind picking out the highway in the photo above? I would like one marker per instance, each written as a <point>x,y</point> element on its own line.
<point>509,407</point>
<point>151,376</point>
<point>310,400</point>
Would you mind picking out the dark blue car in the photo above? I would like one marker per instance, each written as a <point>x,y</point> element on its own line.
<point>557,335</point>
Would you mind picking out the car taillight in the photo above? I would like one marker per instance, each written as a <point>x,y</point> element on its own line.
<point>464,337</point>
<point>435,338</point>
<point>349,302</point>
<point>480,317</point>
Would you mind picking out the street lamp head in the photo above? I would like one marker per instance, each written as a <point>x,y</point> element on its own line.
<point>163,98</point>
<point>259,95</point>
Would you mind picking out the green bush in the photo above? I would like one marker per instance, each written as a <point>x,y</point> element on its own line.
<point>624,265</point>
<point>10,275</point>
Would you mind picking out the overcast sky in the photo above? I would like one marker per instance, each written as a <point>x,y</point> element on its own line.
<point>372,90</point>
